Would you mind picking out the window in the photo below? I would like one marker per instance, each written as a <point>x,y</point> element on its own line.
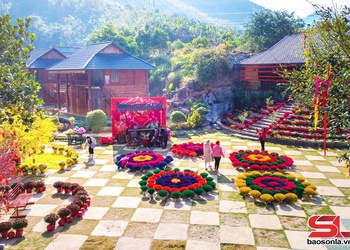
<point>114,75</point>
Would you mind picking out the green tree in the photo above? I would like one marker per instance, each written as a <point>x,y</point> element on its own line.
<point>125,38</point>
<point>267,27</point>
<point>18,89</point>
<point>328,56</point>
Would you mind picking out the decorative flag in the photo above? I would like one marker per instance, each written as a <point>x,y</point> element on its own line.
<point>306,52</point>
<point>318,84</point>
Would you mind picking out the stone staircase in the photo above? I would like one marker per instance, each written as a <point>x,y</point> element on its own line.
<point>250,133</point>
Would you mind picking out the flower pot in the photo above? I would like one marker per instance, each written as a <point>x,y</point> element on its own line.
<point>39,190</point>
<point>59,190</point>
<point>67,191</point>
<point>11,235</point>
<point>51,227</point>
<point>29,190</point>
<point>44,188</point>
<point>4,234</point>
<point>73,214</point>
<point>80,214</point>
<point>70,219</point>
<point>19,232</point>
<point>85,206</point>
<point>61,222</point>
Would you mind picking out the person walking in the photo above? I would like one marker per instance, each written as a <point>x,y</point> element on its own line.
<point>217,154</point>
<point>262,137</point>
<point>207,154</point>
<point>163,133</point>
<point>91,142</point>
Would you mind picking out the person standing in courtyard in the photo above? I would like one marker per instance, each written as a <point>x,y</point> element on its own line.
<point>218,152</point>
<point>207,154</point>
<point>262,137</point>
<point>163,133</point>
<point>91,142</point>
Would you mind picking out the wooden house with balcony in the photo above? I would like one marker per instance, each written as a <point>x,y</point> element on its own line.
<point>262,71</point>
<point>37,63</point>
<point>95,74</point>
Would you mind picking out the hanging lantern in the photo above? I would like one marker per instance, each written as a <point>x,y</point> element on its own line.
<point>7,182</point>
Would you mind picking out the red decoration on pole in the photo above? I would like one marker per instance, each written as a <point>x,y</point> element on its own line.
<point>7,182</point>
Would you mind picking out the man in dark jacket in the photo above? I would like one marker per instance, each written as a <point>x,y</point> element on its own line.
<point>163,134</point>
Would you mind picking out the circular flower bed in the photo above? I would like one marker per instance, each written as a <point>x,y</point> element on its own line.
<point>188,149</point>
<point>260,160</point>
<point>142,160</point>
<point>186,183</point>
<point>270,187</point>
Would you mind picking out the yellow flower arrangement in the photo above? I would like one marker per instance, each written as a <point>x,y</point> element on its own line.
<point>291,197</point>
<point>255,194</point>
<point>279,197</point>
<point>267,198</point>
<point>245,190</point>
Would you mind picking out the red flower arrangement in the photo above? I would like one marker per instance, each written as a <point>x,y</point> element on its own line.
<point>188,149</point>
<point>260,160</point>
<point>143,160</point>
<point>176,180</point>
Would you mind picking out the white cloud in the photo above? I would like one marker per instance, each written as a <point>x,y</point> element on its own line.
<point>301,8</point>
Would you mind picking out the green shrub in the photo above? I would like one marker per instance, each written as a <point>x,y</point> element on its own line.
<point>162,193</point>
<point>194,119</point>
<point>96,120</point>
<point>207,188</point>
<point>198,191</point>
<point>151,191</point>
<point>187,193</point>
<point>202,110</point>
<point>177,117</point>
<point>144,188</point>
<point>204,174</point>
<point>175,195</point>
<point>142,183</point>
<point>211,183</point>
<point>209,178</point>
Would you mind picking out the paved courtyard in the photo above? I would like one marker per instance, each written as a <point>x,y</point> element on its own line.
<point>121,218</point>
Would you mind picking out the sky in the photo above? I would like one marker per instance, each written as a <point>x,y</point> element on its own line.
<point>301,8</point>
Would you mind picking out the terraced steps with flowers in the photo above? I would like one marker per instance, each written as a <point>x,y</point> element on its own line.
<point>244,123</point>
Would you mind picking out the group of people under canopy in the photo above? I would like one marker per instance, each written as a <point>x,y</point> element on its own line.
<point>141,113</point>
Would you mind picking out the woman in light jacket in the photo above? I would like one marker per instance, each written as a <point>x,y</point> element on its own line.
<point>207,154</point>
<point>91,142</point>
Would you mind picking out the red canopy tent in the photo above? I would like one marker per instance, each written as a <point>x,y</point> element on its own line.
<point>137,112</point>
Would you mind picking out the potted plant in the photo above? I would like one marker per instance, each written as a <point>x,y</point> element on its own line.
<point>51,220</point>
<point>58,185</point>
<point>28,186</point>
<point>25,169</point>
<point>69,162</point>
<point>39,186</point>
<point>42,149</point>
<point>62,164</point>
<point>74,208</point>
<point>33,169</point>
<point>42,168</point>
<point>63,213</point>
<point>60,150</point>
<point>19,224</point>
<point>54,148</point>
<point>5,226</point>
<point>67,186</point>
